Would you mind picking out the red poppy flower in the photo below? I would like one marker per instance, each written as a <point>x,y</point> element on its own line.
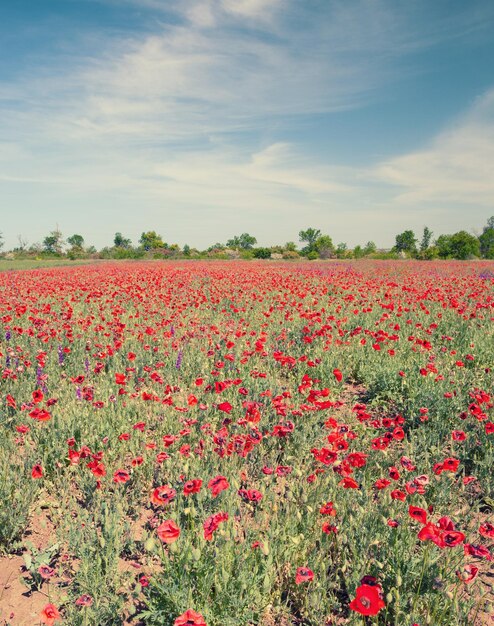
<point>382,483</point>
<point>190,618</point>
<point>418,514</point>
<point>37,396</point>
<point>397,494</point>
<point>327,509</point>
<point>37,471</point>
<point>212,524</point>
<point>479,551</point>
<point>304,574</point>
<point>349,483</point>
<point>49,615</point>
<point>328,528</point>
<point>430,532</point>
<point>250,495</point>
<point>41,415</point>
<point>217,485</point>
<point>192,486</point>
<point>357,459</point>
<point>163,495</point>
<point>452,538</point>
<point>338,375</point>
<point>226,407</point>
<point>121,476</point>
<point>168,531</point>
<point>46,572</point>
<point>84,600</point>
<point>468,573</point>
<point>450,465</point>
<point>368,600</point>
<point>487,530</point>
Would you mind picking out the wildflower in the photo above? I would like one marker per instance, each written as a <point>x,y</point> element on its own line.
<point>338,375</point>
<point>84,600</point>
<point>190,618</point>
<point>121,476</point>
<point>168,531</point>
<point>304,574</point>
<point>192,486</point>
<point>217,485</point>
<point>49,615</point>
<point>368,600</point>
<point>46,572</point>
<point>37,471</point>
<point>211,524</point>
<point>163,495</point>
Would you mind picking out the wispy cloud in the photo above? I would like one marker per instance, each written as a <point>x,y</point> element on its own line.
<point>454,170</point>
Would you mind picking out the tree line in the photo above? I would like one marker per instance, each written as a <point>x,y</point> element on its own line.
<point>312,244</point>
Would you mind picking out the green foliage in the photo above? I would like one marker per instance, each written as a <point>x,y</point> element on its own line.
<point>406,242</point>
<point>370,248</point>
<point>262,253</point>
<point>75,241</point>
<point>151,241</point>
<point>324,246</point>
<point>53,242</point>
<point>309,236</point>
<point>426,239</point>
<point>461,246</point>
<point>486,240</point>
<point>18,494</point>
<point>242,242</point>
<point>120,241</point>
<point>341,250</point>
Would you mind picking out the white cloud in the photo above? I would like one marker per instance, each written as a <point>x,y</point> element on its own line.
<point>455,169</point>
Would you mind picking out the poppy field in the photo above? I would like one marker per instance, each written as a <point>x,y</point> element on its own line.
<point>248,444</point>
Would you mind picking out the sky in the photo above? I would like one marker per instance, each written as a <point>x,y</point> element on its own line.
<point>204,119</point>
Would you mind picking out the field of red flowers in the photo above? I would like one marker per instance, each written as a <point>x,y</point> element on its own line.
<point>240,444</point>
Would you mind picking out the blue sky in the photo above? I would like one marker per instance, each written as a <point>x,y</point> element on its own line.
<point>202,119</point>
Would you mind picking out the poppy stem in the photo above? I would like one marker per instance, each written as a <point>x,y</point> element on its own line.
<point>424,565</point>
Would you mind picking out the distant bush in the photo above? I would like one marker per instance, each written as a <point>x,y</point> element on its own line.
<point>262,253</point>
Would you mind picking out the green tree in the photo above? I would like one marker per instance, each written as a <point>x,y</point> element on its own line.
<point>53,242</point>
<point>151,240</point>
<point>369,248</point>
<point>486,240</point>
<point>216,247</point>
<point>120,241</point>
<point>1,241</point>
<point>243,241</point>
<point>341,250</point>
<point>324,246</point>
<point>262,253</point>
<point>444,248</point>
<point>464,246</point>
<point>426,239</point>
<point>406,242</point>
<point>358,252</point>
<point>461,246</point>
<point>76,241</point>
<point>186,250</point>
<point>309,236</point>
<point>290,246</point>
